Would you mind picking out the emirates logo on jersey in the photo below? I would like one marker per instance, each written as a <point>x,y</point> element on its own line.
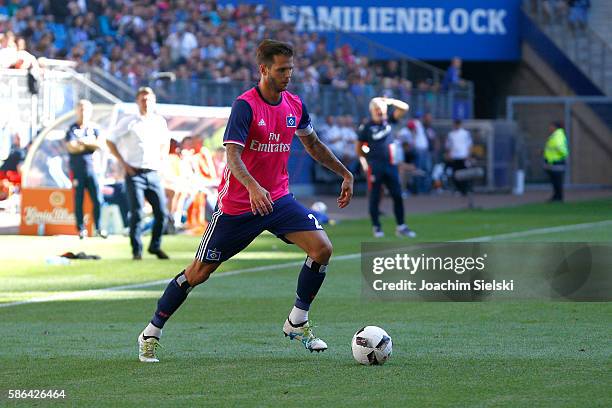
<point>269,147</point>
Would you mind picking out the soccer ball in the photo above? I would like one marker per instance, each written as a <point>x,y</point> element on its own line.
<point>319,207</point>
<point>371,346</point>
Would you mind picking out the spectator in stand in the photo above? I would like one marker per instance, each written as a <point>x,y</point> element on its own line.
<point>553,10</point>
<point>181,43</point>
<point>25,60</point>
<point>136,40</point>
<point>578,14</point>
<point>8,50</point>
<point>452,79</point>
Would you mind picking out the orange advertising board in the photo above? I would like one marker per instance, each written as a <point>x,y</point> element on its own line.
<point>50,211</point>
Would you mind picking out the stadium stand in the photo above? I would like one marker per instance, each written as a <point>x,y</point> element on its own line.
<point>200,53</point>
<point>599,19</point>
<point>583,40</point>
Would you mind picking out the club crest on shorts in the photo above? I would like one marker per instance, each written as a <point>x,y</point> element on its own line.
<point>291,121</point>
<point>213,255</point>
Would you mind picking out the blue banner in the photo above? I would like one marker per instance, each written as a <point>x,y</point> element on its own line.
<point>483,30</point>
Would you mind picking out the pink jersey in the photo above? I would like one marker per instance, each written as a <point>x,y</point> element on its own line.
<point>266,131</point>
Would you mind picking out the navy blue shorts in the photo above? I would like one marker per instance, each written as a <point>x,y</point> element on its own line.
<point>226,235</point>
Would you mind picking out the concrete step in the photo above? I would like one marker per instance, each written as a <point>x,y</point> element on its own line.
<point>600,18</point>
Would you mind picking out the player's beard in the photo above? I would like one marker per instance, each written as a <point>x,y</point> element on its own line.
<point>277,86</point>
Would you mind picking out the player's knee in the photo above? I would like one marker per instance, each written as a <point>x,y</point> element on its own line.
<point>199,272</point>
<point>322,252</point>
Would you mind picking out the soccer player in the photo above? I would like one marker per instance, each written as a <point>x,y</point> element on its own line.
<point>254,196</point>
<point>376,138</point>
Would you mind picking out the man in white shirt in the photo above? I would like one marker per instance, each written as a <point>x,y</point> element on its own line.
<point>458,147</point>
<point>141,144</point>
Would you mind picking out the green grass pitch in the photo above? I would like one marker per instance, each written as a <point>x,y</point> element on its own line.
<point>225,347</point>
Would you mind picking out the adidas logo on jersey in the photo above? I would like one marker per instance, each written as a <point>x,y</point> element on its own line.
<point>261,123</point>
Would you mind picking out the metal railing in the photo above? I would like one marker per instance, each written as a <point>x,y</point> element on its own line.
<point>118,88</point>
<point>59,88</point>
<point>320,100</point>
<point>583,46</point>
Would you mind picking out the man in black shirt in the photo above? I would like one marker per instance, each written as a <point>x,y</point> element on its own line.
<point>82,139</point>
<point>379,158</point>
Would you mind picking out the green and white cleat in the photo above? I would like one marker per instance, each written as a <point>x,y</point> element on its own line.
<point>147,349</point>
<point>303,333</point>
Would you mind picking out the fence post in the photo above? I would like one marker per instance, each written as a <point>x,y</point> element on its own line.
<point>510,108</point>
<point>491,160</point>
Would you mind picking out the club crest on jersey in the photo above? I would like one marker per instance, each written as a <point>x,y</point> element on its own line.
<point>213,255</point>
<point>291,121</point>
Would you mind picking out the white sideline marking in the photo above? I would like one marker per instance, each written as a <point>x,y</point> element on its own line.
<point>485,238</point>
<point>89,292</point>
<point>538,231</point>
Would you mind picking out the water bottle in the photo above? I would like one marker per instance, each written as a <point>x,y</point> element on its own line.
<point>41,229</point>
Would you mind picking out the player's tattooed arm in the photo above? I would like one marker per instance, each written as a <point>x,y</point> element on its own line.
<point>261,200</point>
<point>321,153</point>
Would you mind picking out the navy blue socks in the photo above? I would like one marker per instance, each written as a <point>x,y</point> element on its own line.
<point>309,282</point>
<point>175,294</point>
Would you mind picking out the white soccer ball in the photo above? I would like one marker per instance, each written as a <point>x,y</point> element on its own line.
<point>371,346</point>
<point>319,207</point>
